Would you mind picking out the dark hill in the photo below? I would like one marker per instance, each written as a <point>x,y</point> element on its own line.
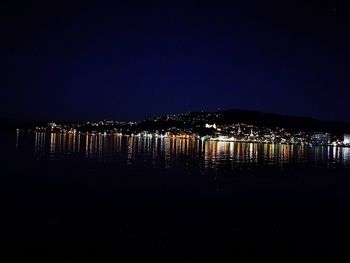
<point>276,120</point>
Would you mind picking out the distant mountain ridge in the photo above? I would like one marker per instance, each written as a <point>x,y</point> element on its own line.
<point>260,119</point>
<point>192,119</point>
<point>285,121</point>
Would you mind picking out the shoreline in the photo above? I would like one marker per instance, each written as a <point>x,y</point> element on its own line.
<point>189,137</point>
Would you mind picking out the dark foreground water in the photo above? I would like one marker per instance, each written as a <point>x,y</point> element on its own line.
<point>72,198</point>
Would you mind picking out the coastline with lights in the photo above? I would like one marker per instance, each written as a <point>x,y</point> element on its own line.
<point>215,126</point>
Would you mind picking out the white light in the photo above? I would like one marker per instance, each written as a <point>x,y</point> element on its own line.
<point>347,138</point>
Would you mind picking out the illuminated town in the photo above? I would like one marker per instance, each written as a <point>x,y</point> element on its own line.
<point>202,126</point>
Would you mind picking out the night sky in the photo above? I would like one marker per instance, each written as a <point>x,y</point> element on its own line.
<point>136,59</point>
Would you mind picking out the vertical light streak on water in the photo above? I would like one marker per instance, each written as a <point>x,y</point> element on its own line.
<point>17,139</point>
<point>100,146</point>
<point>167,152</point>
<point>42,141</point>
<point>64,143</point>
<point>139,145</point>
<point>52,145</point>
<point>129,150</point>
<point>86,145</point>
<point>251,152</point>
<point>154,151</point>
<point>73,141</point>
<point>346,156</point>
<point>78,143</point>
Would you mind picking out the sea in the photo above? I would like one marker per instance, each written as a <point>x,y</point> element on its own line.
<point>105,198</point>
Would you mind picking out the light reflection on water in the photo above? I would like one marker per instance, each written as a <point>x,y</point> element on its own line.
<point>172,152</point>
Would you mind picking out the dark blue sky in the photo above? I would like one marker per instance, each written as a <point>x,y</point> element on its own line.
<point>136,59</point>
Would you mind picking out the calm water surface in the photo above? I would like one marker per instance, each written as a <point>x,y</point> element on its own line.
<point>170,152</point>
<point>72,198</point>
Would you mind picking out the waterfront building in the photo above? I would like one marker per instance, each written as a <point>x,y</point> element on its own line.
<point>210,126</point>
<point>320,139</point>
<point>347,139</point>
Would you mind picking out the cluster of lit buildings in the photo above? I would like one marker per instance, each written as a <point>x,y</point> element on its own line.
<point>237,132</point>
<point>201,125</point>
<point>250,133</point>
